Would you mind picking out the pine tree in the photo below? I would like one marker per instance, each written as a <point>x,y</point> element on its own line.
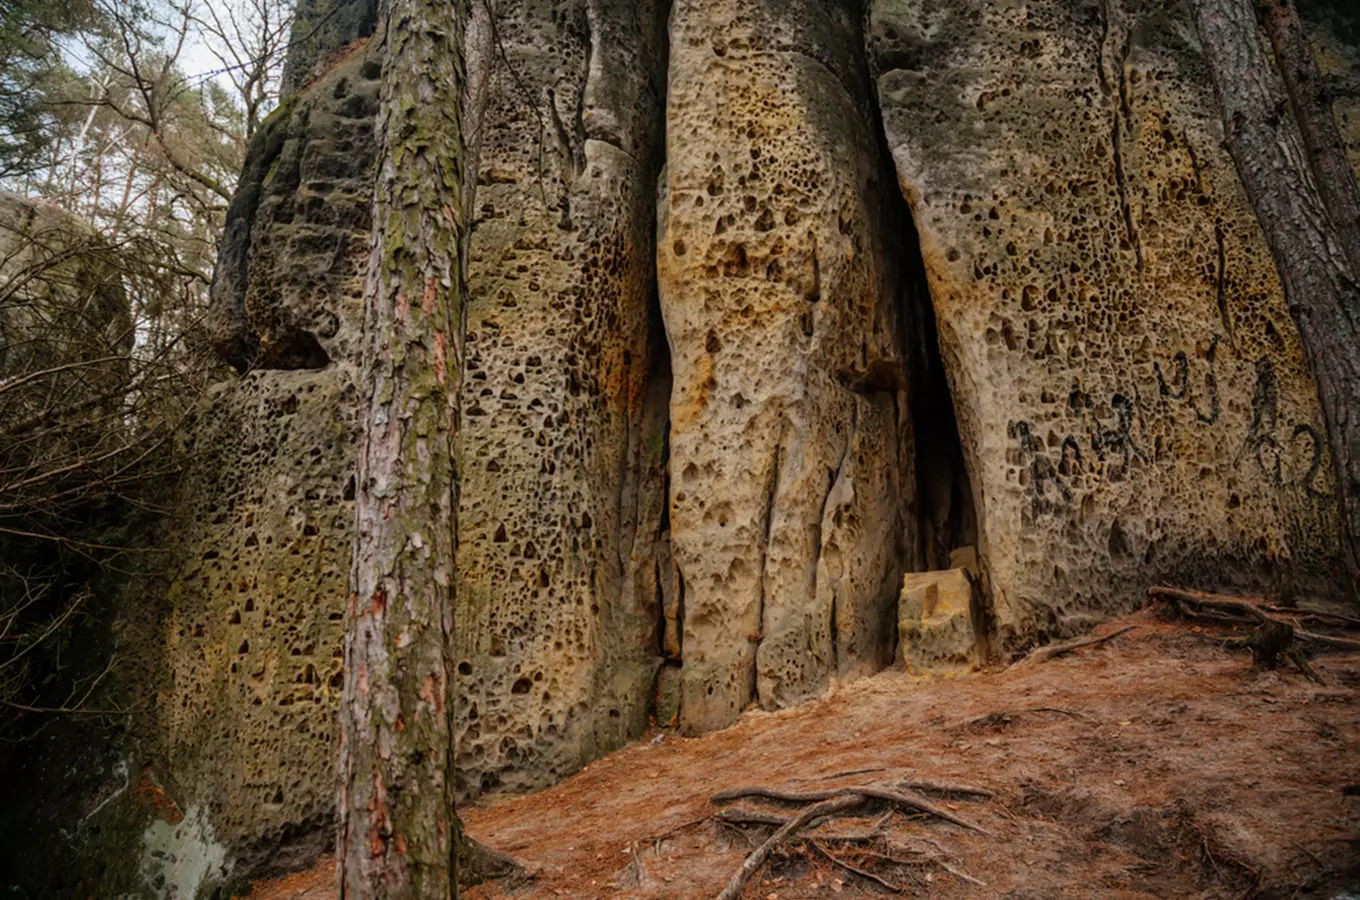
<point>1275,165</point>
<point>399,834</point>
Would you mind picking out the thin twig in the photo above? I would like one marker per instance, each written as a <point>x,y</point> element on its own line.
<point>860,872</point>
<point>962,876</point>
<point>1053,651</point>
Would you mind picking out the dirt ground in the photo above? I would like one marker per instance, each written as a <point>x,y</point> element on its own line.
<point>1159,764</point>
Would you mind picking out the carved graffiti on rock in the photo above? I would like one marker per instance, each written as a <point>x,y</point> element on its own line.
<point>1304,444</point>
<point>1181,389</point>
<point>1294,461</point>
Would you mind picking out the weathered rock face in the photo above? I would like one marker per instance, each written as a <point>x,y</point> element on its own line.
<point>561,454</point>
<point>256,595</point>
<point>1132,396</point>
<point>296,241</point>
<point>791,462</point>
<point>705,431</point>
<point>255,612</point>
<point>937,615</point>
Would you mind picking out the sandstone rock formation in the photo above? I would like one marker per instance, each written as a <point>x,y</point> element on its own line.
<point>561,453</point>
<point>934,276</point>
<point>1131,392</point>
<point>791,457</point>
<point>256,595</point>
<point>937,616</point>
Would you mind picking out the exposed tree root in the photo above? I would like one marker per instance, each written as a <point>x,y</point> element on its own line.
<point>1247,611</point>
<point>946,788</point>
<point>840,804</point>
<point>1006,716</point>
<point>830,803</point>
<point>883,793</point>
<point>961,876</point>
<point>862,873</point>
<point>740,815</point>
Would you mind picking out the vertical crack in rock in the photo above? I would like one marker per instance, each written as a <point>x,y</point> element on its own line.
<point>768,520</point>
<point>1115,32</point>
<point>837,489</point>
<point>1221,288</point>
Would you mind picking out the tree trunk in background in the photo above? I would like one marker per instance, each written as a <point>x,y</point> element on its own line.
<point>1312,106</point>
<point>1320,288</point>
<point>399,834</point>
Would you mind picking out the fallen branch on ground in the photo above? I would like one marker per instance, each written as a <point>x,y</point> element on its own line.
<point>862,873</point>
<point>1053,651</point>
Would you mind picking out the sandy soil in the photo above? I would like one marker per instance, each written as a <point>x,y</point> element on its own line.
<point>1157,765</point>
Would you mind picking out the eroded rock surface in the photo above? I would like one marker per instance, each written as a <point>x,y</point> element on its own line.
<point>1132,395</point>
<point>791,463</point>
<point>936,623</point>
<point>296,237</point>
<point>256,593</point>
<point>256,606</point>
<point>562,450</point>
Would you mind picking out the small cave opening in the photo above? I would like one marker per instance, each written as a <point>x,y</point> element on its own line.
<point>946,517</point>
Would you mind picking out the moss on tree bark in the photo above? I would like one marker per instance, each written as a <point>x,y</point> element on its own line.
<point>399,835</point>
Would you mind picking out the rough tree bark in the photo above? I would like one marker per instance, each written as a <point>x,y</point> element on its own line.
<point>399,835</point>
<point>1272,160</point>
<point>1311,100</point>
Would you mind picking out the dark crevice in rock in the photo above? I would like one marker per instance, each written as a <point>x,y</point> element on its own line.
<point>947,520</point>
<point>668,612</point>
<point>657,450</point>
<point>301,350</point>
<point>771,497</point>
<point>945,514</point>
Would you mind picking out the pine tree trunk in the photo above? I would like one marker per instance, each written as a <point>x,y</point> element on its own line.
<point>1308,95</point>
<point>1272,160</point>
<point>399,834</point>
